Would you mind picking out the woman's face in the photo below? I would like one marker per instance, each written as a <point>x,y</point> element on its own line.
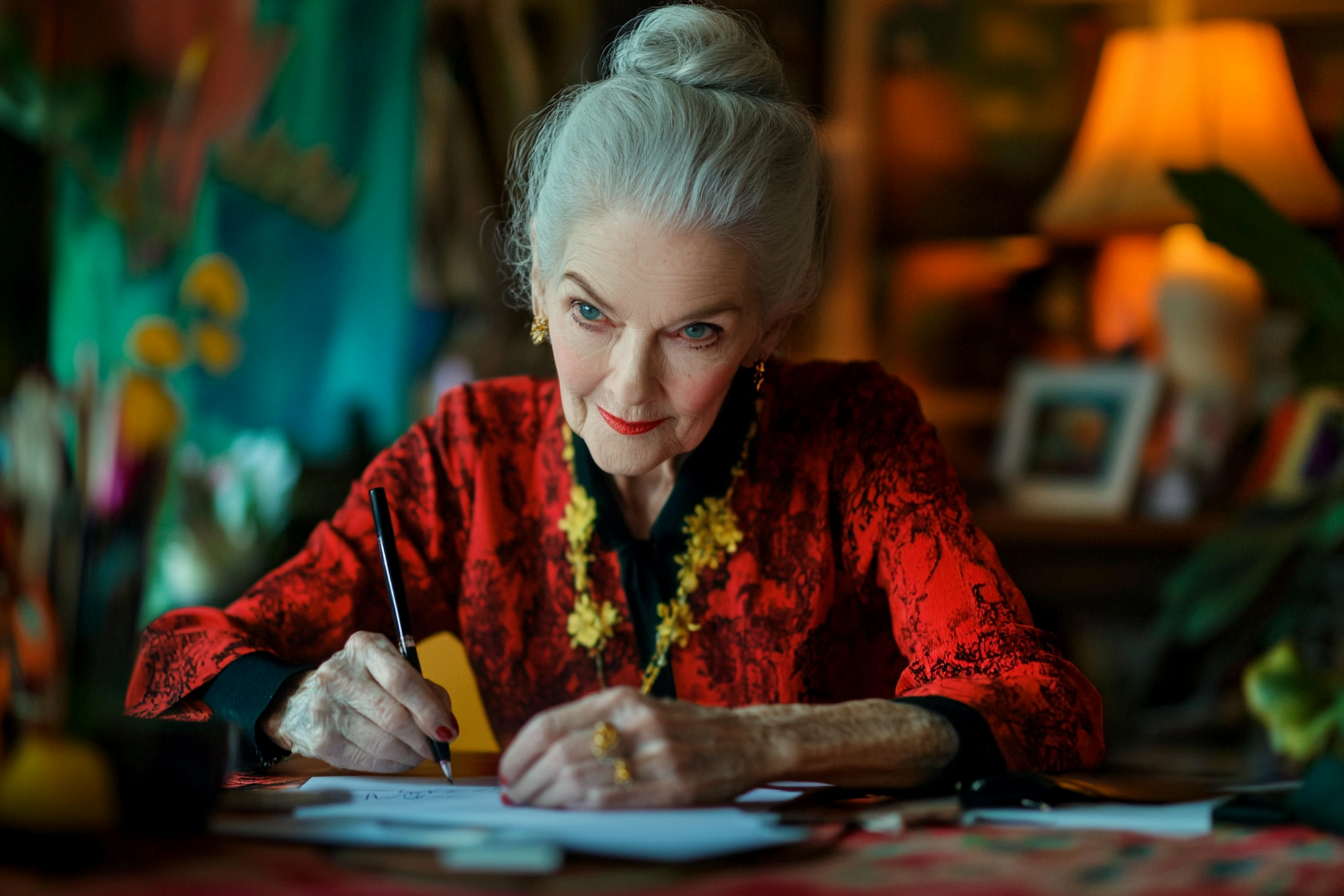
<point>648,328</point>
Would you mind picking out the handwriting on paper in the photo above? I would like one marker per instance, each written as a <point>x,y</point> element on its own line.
<point>406,795</point>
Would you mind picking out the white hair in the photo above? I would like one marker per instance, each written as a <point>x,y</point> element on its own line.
<point>692,129</point>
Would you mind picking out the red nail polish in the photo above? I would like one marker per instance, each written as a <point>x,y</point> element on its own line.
<point>506,800</point>
<point>443,733</point>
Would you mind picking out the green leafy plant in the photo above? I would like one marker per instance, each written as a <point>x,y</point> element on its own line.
<point>1282,553</point>
<point>1303,710</point>
<point>1295,266</point>
<point>1261,579</point>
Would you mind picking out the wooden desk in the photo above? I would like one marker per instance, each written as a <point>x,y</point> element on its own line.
<point>935,861</point>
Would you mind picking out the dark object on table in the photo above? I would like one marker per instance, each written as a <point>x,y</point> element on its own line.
<point>1255,810</point>
<point>168,773</point>
<point>1319,802</point>
<point>1039,789</point>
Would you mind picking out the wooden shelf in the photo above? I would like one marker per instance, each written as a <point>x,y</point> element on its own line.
<point>1009,529</point>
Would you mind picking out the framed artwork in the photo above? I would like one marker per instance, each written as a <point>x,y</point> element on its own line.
<point>1312,454</point>
<point>1072,436</point>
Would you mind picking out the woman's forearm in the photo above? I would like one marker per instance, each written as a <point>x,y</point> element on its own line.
<point>869,743</point>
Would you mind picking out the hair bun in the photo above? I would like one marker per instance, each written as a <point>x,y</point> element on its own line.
<point>699,47</point>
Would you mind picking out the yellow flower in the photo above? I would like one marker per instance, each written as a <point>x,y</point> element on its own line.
<point>712,527</point>
<point>687,578</point>
<point>711,531</point>
<point>676,623</point>
<point>723,523</point>
<point>213,282</point>
<point>567,452</point>
<point>577,523</point>
<point>578,561</point>
<point>155,341</point>
<point>150,415</point>
<point>217,348</point>
<point>579,517</point>
<point>590,625</point>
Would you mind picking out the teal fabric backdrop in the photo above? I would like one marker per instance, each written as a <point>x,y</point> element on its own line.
<point>329,321</point>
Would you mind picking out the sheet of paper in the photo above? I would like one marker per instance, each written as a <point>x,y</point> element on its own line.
<point>779,791</point>
<point>671,835</point>
<point>1171,820</point>
<point>349,831</point>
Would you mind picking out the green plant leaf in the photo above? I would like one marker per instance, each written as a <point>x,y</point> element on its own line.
<point>1318,357</point>
<point>1225,576</point>
<point>1293,264</point>
<point>1295,704</point>
<point>1327,530</point>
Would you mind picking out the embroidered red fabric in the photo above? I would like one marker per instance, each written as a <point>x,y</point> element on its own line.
<point>861,573</point>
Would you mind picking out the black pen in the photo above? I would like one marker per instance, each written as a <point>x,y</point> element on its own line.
<point>401,614</point>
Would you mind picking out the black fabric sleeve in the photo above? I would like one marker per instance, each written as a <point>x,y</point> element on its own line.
<point>978,755</point>
<point>242,692</point>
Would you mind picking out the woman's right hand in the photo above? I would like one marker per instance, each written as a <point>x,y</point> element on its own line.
<point>364,709</point>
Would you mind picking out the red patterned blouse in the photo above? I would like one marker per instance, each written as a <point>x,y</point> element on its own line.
<point>861,574</point>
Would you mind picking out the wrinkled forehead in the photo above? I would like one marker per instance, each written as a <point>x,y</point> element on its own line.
<point>623,257</point>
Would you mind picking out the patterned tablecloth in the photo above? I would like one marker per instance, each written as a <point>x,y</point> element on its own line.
<point>932,862</point>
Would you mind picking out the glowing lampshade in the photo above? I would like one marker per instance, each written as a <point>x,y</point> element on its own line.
<point>1187,96</point>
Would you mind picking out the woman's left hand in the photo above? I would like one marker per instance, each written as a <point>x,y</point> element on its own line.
<point>677,754</point>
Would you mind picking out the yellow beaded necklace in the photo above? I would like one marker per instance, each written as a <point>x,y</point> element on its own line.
<point>711,534</point>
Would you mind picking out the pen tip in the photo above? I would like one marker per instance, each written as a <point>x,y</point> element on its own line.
<point>447,769</point>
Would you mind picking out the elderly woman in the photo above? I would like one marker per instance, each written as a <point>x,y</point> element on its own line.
<point>781,548</point>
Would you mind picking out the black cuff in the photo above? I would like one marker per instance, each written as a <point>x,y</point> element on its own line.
<point>978,755</point>
<point>242,693</point>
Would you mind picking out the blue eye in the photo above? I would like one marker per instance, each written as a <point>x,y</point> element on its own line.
<point>589,312</point>
<point>697,332</point>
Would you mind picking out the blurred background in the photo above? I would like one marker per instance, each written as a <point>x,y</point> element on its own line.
<point>244,243</point>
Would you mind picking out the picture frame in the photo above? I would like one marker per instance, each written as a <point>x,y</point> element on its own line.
<point>1312,454</point>
<point>1071,437</point>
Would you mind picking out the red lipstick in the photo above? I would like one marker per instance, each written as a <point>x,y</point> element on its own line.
<point>625,427</point>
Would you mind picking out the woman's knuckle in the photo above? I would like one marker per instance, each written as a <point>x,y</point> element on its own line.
<point>402,678</point>
<point>326,742</point>
<point>384,746</point>
<point>324,680</point>
<point>624,695</point>
<point>568,777</point>
<point>550,728</point>
<point>392,718</point>
<point>574,750</point>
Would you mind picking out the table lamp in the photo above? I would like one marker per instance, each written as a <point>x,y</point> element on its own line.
<point>1179,95</point>
<point>1186,95</point>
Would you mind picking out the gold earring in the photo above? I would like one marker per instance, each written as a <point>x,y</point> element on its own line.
<point>758,374</point>
<point>541,329</point>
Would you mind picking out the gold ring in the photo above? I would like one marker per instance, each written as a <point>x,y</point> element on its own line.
<point>605,739</point>
<point>620,774</point>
